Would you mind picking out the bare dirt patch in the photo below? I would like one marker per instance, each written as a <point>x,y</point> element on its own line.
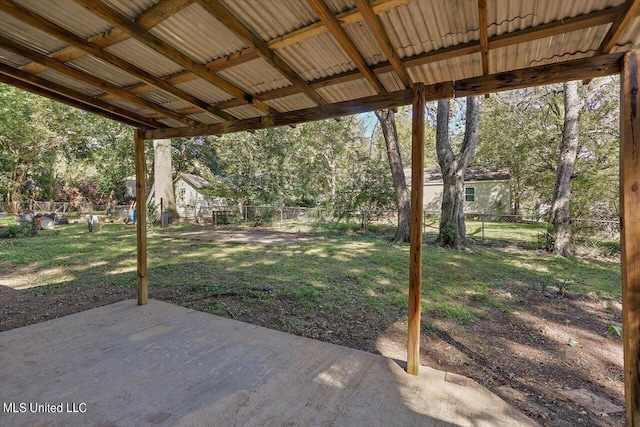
<point>257,236</point>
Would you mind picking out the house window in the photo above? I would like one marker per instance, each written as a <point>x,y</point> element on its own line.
<point>470,194</point>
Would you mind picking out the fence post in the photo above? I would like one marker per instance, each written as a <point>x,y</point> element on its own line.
<point>482,219</point>
<point>215,219</point>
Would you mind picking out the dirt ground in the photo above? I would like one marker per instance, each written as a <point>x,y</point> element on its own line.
<point>534,357</point>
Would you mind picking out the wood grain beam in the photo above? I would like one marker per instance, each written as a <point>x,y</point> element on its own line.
<point>160,11</point>
<point>215,8</point>
<point>484,38</point>
<point>577,69</point>
<point>89,79</point>
<point>335,28</point>
<point>141,214</point>
<point>521,36</point>
<point>630,231</point>
<point>346,108</point>
<point>415,229</point>
<point>629,11</point>
<point>375,26</point>
<point>345,18</point>
<point>546,74</point>
<point>66,36</point>
<point>139,33</point>
<point>80,100</point>
<point>58,97</point>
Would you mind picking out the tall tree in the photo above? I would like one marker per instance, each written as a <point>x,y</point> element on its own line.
<point>452,227</point>
<point>162,179</point>
<point>560,216</point>
<point>388,125</point>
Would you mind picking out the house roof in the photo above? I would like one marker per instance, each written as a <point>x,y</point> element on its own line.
<point>471,174</point>
<point>196,181</point>
<point>195,67</point>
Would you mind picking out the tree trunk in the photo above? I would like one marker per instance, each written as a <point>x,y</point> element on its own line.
<point>388,124</point>
<point>452,231</point>
<point>560,217</point>
<point>163,180</point>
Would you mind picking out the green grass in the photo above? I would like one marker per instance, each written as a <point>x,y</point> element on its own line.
<point>343,278</point>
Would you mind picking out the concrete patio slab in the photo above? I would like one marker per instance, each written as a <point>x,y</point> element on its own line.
<point>161,364</point>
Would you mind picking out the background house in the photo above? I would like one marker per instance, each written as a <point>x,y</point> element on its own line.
<point>193,197</point>
<point>487,190</point>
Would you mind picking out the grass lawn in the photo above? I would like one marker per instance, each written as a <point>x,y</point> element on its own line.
<point>344,274</point>
<point>347,289</point>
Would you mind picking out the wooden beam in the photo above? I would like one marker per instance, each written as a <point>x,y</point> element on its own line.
<point>141,214</point>
<point>546,74</point>
<point>345,18</point>
<point>577,69</point>
<point>546,30</point>
<point>215,8</point>
<point>341,36</point>
<point>160,11</point>
<point>346,108</point>
<point>76,99</point>
<point>484,38</point>
<point>66,36</point>
<point>625,16</point>
<point>89,79</point>
<point>375,26</point>
<point>415,229</point>
<point>54,95</point>
<point>114,18</point>
<point>630,230</point>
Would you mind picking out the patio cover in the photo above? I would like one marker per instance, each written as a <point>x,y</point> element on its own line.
<point>180,68</point>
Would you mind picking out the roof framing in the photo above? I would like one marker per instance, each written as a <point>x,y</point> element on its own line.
<point>196,113</point>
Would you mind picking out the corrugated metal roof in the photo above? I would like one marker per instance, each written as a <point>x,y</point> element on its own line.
<point>419,27</point>
<point>452,69</point>
<point>69,82</point>
<point>317,57</point>
<point>244,112</point>
<point>205,118</point>
<point>166,101</point>
<point>204,90</point>
<point>130,8</point>
<point>255,76</point>
<point>291,103</point>
<point>196,33</point>
<point>144,57</point>
<point>130,106</point>
<point>68,14</point>
<point>94,66</point>
<point>346,91</point>
<point>28,36</point>
<point>12,59</point>
<point>271,19</point>
<point>504,16</point>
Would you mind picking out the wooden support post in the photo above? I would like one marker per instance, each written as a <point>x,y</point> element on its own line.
<point>630,230</point>
<point>415,232</point>
<point>141,214</point>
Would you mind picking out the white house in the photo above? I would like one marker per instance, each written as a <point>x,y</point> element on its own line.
<point>192,200</point>
<point>487,190</point>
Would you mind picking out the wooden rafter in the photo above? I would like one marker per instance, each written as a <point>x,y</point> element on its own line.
<point>114,18</point>
<point>52,91</point>
<point>592,67</point>
<point>509,39</point>
<point>374,24</point>
<point>79,43</point>
<point>160,11</point>
<point>222,14</point>
<point>345,18</point>
<point>89,79</point>
<point>484,38</point>
<point>628,12</point>
<point>341,36</point>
